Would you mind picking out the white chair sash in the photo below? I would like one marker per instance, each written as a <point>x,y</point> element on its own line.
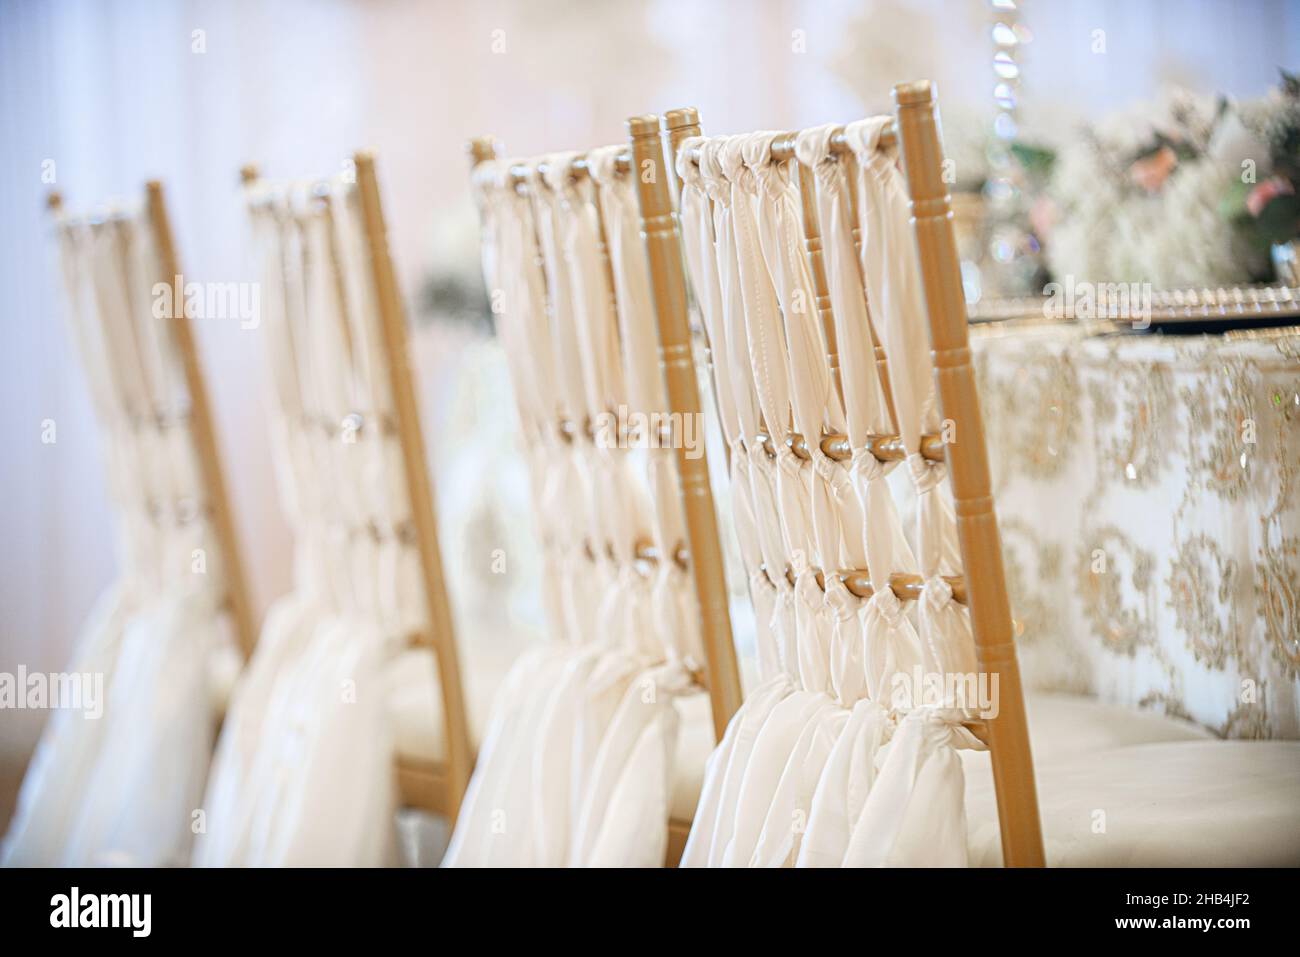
<point>587,727</point>
<point>893,279</point>
<point>830,773</point>
<point>307,738</point>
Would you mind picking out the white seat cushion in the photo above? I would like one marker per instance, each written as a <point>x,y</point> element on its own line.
<point>225,667</point>
<point>1167,804</point>
<point>694,745</point>
<point>1064,724</point>
<point>1166,791</point>
<point>415,699</point>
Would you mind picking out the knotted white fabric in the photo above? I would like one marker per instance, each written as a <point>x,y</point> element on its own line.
<point>836,759</point>
<point>921,778</point>
<point>893,281</point>
<point>624,811</point>
<point>618,519</point>
<point>712,256</point>
<point>890,643</point>
<point>702,259</point>
<point>915,813</point>
<point>830,633</point>
<point>749,340</point>
<point>809,522</point>
<point>752,470</point>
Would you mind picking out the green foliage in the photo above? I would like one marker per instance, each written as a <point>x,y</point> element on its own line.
<point>1277,222</point>
<point>1036,161</point>
<point>1232,205</point>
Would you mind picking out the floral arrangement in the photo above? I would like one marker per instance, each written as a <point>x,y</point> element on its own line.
<point>1191,192</point>
<point>1267,210</point>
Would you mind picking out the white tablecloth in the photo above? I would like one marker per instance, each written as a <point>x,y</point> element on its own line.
<point>1148,494</point>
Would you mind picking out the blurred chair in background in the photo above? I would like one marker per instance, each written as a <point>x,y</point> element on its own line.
<point>358,667</point>
<point>159,653</point>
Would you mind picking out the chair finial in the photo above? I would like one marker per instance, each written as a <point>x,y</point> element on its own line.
<point>481,149</point>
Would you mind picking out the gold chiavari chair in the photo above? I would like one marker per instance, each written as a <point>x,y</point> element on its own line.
<point>437,786</point>
<point>983,587</point>
<point>701,551</point>
<point>197,412</point>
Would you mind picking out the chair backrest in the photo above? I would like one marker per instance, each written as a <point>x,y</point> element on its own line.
<point>147,381</point>
<point>652,343</point>
<point>846,398</point>
<point>346,383</point>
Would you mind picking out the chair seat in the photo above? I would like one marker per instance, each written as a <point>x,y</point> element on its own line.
<point>1059,725</point>
<point>694,745</point>
<point>225,665</point>
<point>415,700</point>
<point>1067,724</point>
<point>1164,804</point>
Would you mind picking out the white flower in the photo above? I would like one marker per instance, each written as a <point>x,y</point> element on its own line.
<point>1112,231</point>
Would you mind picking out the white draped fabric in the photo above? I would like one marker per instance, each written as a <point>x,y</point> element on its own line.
<point>304,769</point>
<point>921,762</point>
<point>835,759</point>
<point>122,788</point>
<point>577,766</point>
<point>891,644</point>
<point>506,817</point>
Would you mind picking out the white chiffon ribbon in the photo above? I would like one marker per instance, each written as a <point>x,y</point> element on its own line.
<point>915,812</point>
<point>893,281</point>
<point>920,785</point>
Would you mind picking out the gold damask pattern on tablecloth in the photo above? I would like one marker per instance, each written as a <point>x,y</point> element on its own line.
<point>1147,492</point>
